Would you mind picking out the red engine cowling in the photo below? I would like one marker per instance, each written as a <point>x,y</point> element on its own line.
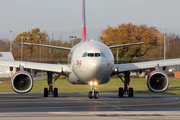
<point>22,82</point>
<point>157,81</point>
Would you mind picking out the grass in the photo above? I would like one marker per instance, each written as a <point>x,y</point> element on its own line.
<point>64,86</point>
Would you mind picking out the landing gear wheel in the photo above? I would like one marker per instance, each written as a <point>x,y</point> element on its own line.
<point>50,91</point>
<point>90,95</point>
<point>130,93</point>
<point>96,95</point>
<point>121,92</point>
<point>55,92</point>
<point>45,92</point>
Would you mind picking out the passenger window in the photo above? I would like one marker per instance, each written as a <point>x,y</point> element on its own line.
<point>90,54</point>
<point>84,55</point>
<point>97,54</point>
<point>103,55</point>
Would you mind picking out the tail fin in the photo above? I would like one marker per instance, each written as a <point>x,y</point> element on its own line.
<point>83,22</point>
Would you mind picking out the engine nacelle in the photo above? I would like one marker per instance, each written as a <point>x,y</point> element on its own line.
<point>157,81</point>
<point>22,82</point>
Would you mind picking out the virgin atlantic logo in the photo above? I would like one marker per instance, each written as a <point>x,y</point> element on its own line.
<point>79,63</point>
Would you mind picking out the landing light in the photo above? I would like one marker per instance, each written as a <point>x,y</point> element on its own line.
<point>93,83</point>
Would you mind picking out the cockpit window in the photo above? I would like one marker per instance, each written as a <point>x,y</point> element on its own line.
<point>93,54</point>
<point>97,54</point>
<point>90,54</point>
<point>85,54</point>
<point>103,55</point>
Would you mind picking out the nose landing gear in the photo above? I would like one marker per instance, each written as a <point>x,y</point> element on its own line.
<point>93,94</point>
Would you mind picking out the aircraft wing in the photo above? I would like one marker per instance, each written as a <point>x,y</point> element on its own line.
<point>145,65</point>
<point>56,68</point>
<point>50,46</point>
<point>115,46</point>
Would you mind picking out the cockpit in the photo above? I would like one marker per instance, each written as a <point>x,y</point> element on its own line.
<point>93,54</point>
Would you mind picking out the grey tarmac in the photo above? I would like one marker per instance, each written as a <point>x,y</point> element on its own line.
<point>79,106</point>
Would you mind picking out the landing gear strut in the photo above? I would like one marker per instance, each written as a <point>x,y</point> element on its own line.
<point>93,94</point>
<point>126,90</point>
<point>50,84</point>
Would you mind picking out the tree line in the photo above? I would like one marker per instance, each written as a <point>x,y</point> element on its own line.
<point>152,49</point>
<point>36,53</point>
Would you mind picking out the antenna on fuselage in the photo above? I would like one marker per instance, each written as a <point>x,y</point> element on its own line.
<point>83,22</point>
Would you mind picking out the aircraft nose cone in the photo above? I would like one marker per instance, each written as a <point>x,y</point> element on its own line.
<point>95,69</point>
<point>94,65</point>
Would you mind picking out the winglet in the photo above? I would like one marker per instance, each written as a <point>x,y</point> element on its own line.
<point>83,22</point>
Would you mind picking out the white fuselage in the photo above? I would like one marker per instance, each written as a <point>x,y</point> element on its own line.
<point>90,61</point>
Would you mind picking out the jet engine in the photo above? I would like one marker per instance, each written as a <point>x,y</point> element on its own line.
<point>157,81</point>
<point>22,82</point>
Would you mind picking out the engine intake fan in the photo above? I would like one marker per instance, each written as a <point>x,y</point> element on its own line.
<point>22,82</point>
<point>157,81</point>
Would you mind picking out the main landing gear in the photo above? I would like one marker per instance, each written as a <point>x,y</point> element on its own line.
<point>93,94</point>
<point>50,84</point>
<point>126,90</point>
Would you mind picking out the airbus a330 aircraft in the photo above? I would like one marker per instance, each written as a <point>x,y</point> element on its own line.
<point>89,62</point>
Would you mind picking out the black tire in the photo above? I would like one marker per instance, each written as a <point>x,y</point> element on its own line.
<point>55,92</point>
<point>90,95</point>
<point>96,95</point>
<point>121,92</point>
<point>131,93</point>
<point>45,92</point>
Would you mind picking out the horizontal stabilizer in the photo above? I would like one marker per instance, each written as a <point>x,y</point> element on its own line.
<point>6,56</point>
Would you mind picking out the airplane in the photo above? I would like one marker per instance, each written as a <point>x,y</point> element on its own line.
<point>89,62</point>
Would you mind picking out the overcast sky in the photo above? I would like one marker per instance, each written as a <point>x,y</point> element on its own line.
<point>64,17</point>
